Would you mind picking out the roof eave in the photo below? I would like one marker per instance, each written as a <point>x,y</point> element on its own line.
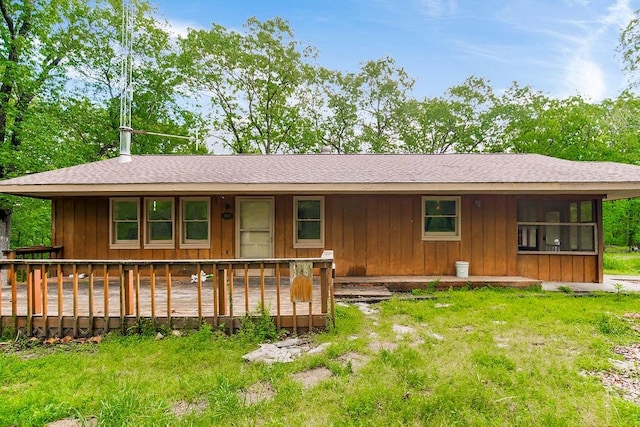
<point>612,191</point>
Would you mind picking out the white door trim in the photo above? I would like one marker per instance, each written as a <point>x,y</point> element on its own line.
<point>239,201</point>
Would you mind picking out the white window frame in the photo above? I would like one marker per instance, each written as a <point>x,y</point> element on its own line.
<point>122,244</point>
<point>441,236</point>
<point>160,244</point>
<point>308,243</point>
<point>194,244</point>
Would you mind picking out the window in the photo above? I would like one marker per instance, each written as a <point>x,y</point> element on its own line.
<point>159,222</point>
<point>556,226</point>
<point>124,223</point>
<point>309,222</point>
<point>194,217</point>
<point>441,218</point>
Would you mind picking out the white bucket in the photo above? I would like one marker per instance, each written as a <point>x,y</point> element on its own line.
<point>462,269</point>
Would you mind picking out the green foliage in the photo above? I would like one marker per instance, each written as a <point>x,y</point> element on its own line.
<point>621,262</point>
<point>258,327</point>
<point>31,222</point>
<point>255,110</point>
<point>126,406</point>
<point>566,289</point>
<point>608,324</point>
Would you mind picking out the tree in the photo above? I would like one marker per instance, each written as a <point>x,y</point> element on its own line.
<point>459,121</point>
<point>59,92</point>
<point>37,36</point>
<point>254,80</point>
<point>382,90</point>
<point>332,110</point>
<point>629,47</point>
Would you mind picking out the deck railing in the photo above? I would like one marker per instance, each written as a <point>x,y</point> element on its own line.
<point>57,297</point>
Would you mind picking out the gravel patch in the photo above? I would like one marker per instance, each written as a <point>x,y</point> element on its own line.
<point>624,378</point>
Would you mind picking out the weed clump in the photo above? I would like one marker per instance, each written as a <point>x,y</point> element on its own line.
<point>259,327</point>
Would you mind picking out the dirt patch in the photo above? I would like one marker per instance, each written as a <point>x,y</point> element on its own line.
<point>354,359</point>
<point>624,377</point>
<point>312,377</point>
<point>183,408</point>
<point>376,346</point>
<point>258,392</point>
<point>72,422</point>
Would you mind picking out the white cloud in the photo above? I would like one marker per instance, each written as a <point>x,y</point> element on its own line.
<point>585,77</point>
<point>181,28</point>
<point>584,70</point>
<point>619,14</point>
<point>437,8</point>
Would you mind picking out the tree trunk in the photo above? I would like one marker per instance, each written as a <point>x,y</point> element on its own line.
<point>5,234</point>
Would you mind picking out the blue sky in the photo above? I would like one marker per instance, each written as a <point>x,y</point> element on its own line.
<point>560,47</point>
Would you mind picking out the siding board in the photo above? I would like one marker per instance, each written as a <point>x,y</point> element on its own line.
<point>395,225</point>
<point>69,229</point>
<point>337,235</point>
<point>501,225</point>
<point>476,261</point>
<point>373,247</point>
<point>417,266</point>
<point>406,236</point>
<point>384,235</point>
<point>489,229</point>
<point>511,235</point>
<point>360,238</point>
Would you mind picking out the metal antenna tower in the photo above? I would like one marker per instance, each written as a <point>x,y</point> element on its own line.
<point>126,83</point>
<point>126,88</point>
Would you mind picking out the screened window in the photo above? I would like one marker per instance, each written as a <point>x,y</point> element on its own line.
<point>125,223</point>
<point>441,218</point>
<point>309,222</point>
<point>556,226</point>
<point>195,222</point>
<point>159,214</point>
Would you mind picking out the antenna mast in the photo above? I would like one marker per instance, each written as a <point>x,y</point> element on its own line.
<point>126,88</point>
<point>126,83</point>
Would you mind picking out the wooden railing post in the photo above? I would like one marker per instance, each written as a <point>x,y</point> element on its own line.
<point>35,282</point>
<point>45,301</point>
<point>60,301</point>
<point>128,292</point>
<point>152,285</point>
<point>14,296</point>
<point>29,302</point>
<point>76,320</point>
<point>167,271</point>
<point>91,296</point>
<point>105,295</point>
<point>222,294</point>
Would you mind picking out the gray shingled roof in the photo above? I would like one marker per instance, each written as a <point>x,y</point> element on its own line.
<point>336,170</point>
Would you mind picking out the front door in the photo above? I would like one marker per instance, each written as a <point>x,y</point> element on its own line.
<point>254,227</point>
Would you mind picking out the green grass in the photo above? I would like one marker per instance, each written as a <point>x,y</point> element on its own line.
<point>621,263</point>
<point>483,357</point>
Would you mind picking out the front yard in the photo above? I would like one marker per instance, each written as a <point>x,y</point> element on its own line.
<point>481,357</point>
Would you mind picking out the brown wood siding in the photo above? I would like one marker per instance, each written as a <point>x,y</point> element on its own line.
<point>370,235</point>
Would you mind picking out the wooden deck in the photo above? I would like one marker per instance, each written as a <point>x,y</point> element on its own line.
<point>177,309</point>
<point>99,296</point>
